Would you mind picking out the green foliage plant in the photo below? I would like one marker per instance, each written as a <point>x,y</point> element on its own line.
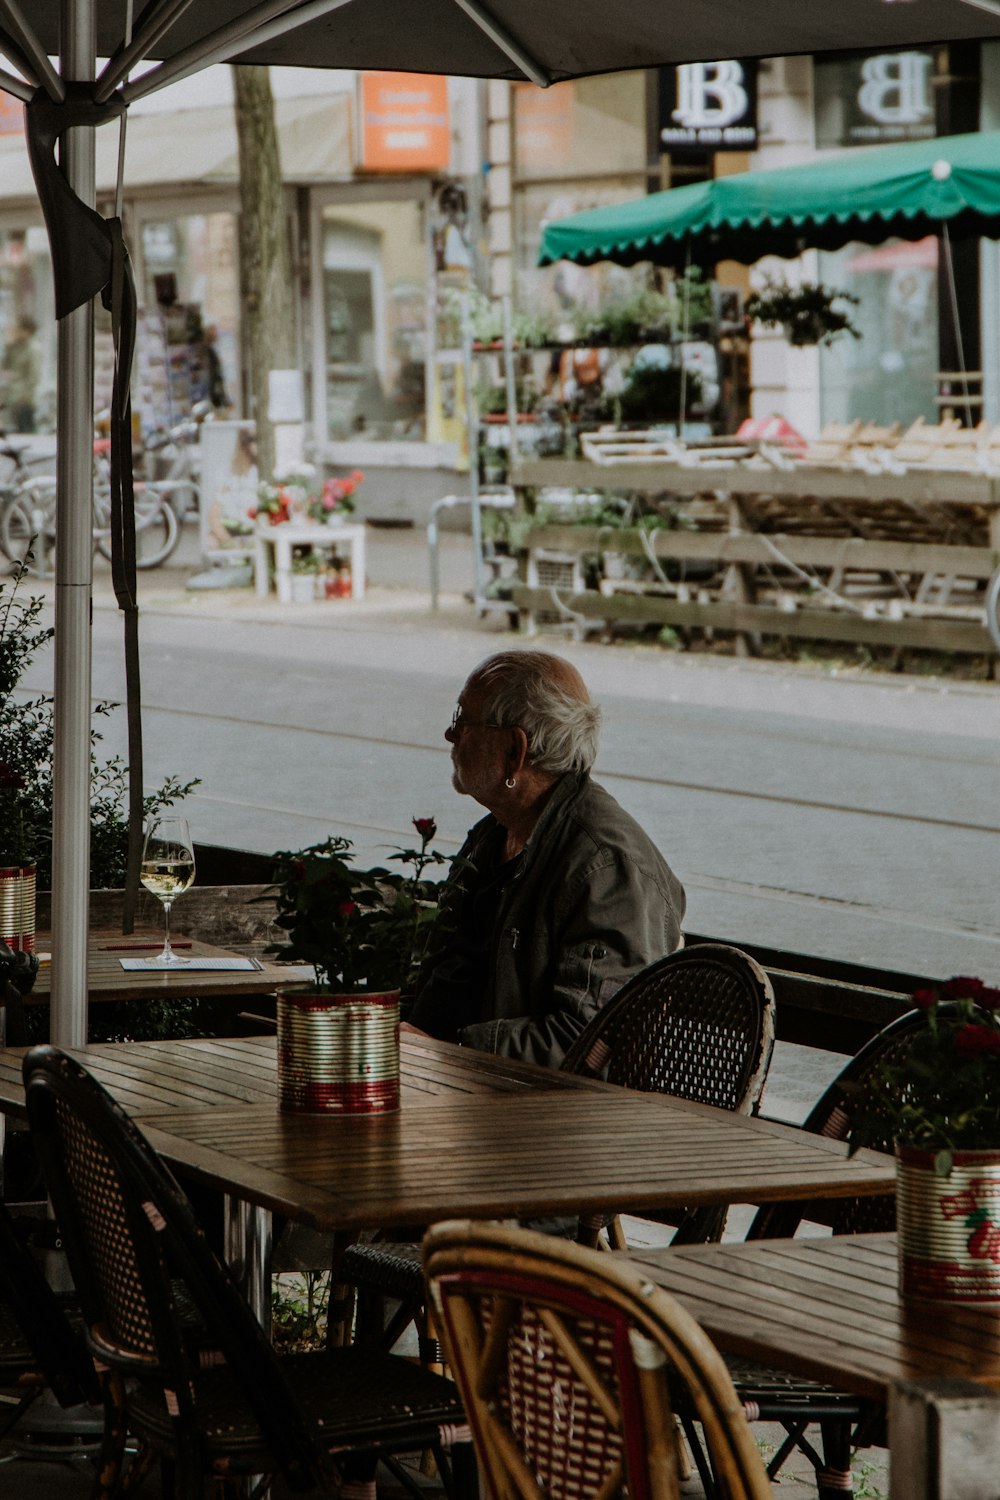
<point>943,1095</point>
<point>26,768</point>
<point>361,930</point>
<point>810,313</point>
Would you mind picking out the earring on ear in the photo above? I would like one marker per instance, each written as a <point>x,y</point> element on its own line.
<point>510,783</point>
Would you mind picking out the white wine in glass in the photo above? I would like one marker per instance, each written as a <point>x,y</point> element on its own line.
<point>167,870</point>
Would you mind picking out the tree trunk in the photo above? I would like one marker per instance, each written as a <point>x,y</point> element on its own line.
<point>266,288</point>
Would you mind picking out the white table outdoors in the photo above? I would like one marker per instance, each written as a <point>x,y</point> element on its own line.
<point>305,533</point>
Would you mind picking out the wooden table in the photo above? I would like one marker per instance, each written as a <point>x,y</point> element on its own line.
<point>291,534</point>
<point>827,1309</point>
<point>477,1137</point>
<point>107,980</point>
<point>152,1078</point>
<point>500,1155</point>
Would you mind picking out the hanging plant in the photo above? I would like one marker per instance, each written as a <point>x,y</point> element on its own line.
<point>807,313</point>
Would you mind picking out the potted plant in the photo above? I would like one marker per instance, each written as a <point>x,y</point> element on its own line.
<point>365,934</point>
<point>808,313</point>
<point>942,1096</point>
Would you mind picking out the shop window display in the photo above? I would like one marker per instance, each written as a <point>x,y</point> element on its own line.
<point>374,309</point>
<point>27,332</point>
<point>888,375</point>
<point>188,347</point>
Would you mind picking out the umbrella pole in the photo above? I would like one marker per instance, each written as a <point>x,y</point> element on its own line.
<point>74,579</point>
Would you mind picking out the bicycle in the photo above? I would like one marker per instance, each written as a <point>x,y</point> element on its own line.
<point>28,517</point>
<point>175,451</point>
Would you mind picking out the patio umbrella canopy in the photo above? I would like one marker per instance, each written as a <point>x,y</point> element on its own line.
<point>906,192</point>
<point>512,39</point>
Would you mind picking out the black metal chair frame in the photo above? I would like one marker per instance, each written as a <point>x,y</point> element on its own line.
<point>39,1348</point>
<point>132,1242</point>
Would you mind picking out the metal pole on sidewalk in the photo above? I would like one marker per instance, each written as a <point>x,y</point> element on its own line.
<point>74,576</point>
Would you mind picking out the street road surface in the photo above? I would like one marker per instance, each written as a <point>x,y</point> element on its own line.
<point>855,815</point>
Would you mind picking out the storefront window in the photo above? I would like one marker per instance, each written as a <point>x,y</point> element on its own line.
<point>188,347</point>
<point>889,374</point>
<point>27,332</point>
<point>374,310</point>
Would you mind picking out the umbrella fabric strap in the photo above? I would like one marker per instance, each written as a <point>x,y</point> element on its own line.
<point>89,256</point>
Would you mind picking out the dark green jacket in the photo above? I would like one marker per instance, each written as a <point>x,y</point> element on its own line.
<point>591,903</point>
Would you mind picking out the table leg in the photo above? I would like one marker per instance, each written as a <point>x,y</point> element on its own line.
<point>247,1232</point>
<point>358,566</point>
<point>260,567</point>
<point>283,568</point>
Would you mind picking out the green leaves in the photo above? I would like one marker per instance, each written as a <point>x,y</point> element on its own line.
<point>359,929</point>
<point>942,1093</point>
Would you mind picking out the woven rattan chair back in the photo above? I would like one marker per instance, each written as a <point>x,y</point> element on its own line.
<point>563,1357</point>
<point>852,1091</point>
<point>136,1256</point>
<point>698,1024</point>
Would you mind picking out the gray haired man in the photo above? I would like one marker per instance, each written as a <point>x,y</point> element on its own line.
<point>557,896</point>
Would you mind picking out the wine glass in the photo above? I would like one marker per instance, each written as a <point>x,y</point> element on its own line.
<point>167,869</point>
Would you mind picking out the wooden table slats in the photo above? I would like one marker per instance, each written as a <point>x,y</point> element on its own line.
<point>500,1156</point>
<point>216,1072</point>
<point>828,1309</point>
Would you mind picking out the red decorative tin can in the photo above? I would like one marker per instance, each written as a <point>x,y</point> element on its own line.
<point>338,1054</point>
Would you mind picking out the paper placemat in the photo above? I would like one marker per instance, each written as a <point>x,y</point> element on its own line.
<point>203,965</point>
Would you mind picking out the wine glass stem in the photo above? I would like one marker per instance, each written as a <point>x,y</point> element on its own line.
<point>167,955</point>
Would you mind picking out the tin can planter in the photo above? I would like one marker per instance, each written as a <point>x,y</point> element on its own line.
<point>17,907</point>
<point>338,1054</point>
<point>949,1227</point>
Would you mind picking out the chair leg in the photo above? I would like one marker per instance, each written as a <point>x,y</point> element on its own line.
<point>834,1479</point>
<point>111,1477</point>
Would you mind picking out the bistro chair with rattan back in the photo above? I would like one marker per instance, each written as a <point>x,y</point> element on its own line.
<point>202,1387</point>
<point>568,1362</point>
<point>845,1421</point>
<point>698,1024</point>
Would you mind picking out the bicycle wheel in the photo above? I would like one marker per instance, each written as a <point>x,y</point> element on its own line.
<point>156,532</point>
<point>28,529</point>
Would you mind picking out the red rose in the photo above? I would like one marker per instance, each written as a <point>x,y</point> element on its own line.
<point>961,988</point>
<point>347,908</point>
<point>988,998</point>
<point>974,1040</point>
<point>924,999</point>
<point>426,827</point>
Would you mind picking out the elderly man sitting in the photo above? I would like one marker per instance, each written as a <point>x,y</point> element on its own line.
<point>557,896</point>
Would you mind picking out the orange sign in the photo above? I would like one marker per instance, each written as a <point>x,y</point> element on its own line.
<point>404,122</point>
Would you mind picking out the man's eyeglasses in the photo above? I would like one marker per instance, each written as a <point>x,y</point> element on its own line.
<point>458,724</point>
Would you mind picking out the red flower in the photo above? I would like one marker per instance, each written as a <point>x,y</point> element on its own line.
<point>974,1040</point>
<point>426,827</point>
<point>988,998</point>
<point>347,908</point>
<point>924,999</point>
<point>961,988</point>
